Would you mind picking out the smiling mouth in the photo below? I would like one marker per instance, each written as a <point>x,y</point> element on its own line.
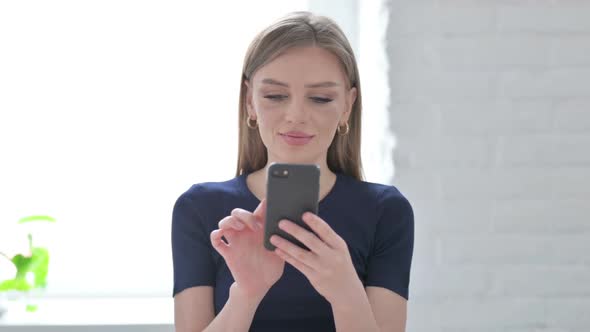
<point>296,135</point>
<point>296,138</point>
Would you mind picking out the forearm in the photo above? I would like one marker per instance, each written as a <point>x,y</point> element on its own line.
<point>354,313</point>
<point>237,314</point>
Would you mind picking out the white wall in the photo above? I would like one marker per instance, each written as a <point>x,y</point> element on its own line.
<point>490,104</point>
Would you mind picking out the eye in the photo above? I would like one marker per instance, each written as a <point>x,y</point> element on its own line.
<point>321,100</point>
<point>276,97</point>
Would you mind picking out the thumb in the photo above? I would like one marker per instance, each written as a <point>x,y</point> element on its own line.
<point>260,211</point>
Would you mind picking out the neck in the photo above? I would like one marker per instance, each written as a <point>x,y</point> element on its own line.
<point>258,179</point>
<point>327,177</point>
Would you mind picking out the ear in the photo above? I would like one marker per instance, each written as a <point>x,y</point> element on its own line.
<point>351,98</point>
<point>249,106</point>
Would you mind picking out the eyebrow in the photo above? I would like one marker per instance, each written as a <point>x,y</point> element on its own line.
<point>327,84</point>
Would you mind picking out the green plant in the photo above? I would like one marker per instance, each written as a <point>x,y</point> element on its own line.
<point>31,270</point>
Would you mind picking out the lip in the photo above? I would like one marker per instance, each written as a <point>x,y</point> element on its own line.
<point>296,137</point>
<point>298,134</point>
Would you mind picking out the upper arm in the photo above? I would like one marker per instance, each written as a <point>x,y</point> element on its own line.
<point>389,309</point>
<point>192,252</point>
<point>390,260</point>
<point>194,268</point>
<point>193,309</point>
<point>388,274</point>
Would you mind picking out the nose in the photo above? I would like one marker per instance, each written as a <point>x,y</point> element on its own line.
<point>296,111</point>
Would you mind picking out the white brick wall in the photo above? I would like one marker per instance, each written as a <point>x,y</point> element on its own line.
<point>490,105</point>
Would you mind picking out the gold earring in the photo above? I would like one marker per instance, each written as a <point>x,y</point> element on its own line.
<point>249,124</point>
<point>340,129</point>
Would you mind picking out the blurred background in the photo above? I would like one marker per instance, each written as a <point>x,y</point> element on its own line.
<point>490,104</point>
<point>478,111</point>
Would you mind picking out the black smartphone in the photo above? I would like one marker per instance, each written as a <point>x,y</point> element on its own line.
<point>291,190</point>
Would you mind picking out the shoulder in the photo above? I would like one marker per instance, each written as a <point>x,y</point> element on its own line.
<point>211,190</point>
<point>206,203</point>
<point>392,201</point>
<point>394,216</point>
<point>385,198</point>
<point>207,194</point>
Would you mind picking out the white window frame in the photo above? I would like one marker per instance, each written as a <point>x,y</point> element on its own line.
<point>364,25</point>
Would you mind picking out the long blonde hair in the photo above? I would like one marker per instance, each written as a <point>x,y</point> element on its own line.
<point>301,29</point>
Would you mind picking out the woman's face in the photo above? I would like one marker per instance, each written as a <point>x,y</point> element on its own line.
<point>298,100</point>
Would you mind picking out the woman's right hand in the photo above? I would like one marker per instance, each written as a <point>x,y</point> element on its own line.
<point>254,268</point>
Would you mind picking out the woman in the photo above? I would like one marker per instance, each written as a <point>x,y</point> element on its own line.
<point>300,102</point>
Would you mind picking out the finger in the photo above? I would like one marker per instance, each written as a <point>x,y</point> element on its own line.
<point>246,217</point>
<point>303,268</point>
<point>231,222</point>
<point>227,235</point>
<point>323,230</point>
<point>227,225</point>
<point>302,255</point>
<point>306,237</point>
<point>221,247</point>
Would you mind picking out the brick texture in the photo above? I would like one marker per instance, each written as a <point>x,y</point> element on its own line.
<point>490,108</point>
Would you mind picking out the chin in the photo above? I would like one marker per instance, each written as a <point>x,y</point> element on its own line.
<point>297,158</point>
<point>300,155</point>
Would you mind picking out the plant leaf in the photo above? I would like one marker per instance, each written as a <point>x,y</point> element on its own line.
<point>36,218</point>
<point>18,284</point>
<point>31,307</point>
<point>37,263</point>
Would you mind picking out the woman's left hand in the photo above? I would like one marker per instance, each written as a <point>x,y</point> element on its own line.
<point>327,265</point>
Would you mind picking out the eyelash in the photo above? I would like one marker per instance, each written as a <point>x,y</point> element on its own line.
<point>278,98</point>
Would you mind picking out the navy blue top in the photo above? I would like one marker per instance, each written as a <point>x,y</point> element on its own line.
<point>375,220</point>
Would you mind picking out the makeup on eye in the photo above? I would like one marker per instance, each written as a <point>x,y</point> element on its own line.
<point>321,100</point>
<point>316,99</point>
<point>275,97</point>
